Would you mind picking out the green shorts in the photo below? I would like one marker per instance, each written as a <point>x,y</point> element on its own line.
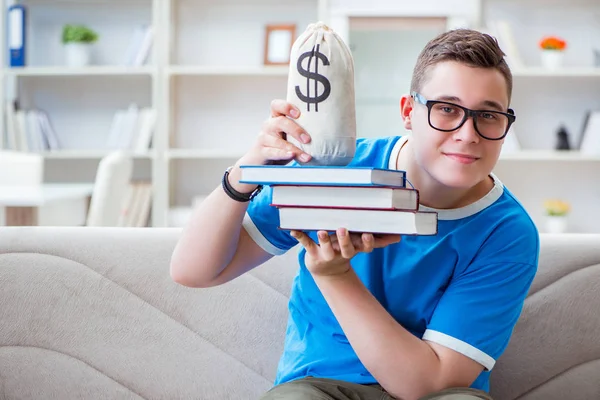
<point>329,389</point>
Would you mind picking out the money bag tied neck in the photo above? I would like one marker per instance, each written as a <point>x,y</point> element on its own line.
<point>321,85</point>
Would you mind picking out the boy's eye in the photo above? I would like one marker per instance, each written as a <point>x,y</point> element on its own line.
<point>488,116</point>
<point>446,109</point>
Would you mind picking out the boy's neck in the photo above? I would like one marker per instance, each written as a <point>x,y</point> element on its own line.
<point>432,194</point>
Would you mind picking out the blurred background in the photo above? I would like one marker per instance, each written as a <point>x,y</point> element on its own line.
<point>127,112</point>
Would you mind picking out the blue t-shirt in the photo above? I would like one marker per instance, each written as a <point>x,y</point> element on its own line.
<point>463,288</point>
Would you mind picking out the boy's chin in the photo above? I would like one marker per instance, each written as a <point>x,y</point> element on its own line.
<point>456,181</point>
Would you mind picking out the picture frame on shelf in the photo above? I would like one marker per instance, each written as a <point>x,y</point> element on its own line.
<point>278,43</point>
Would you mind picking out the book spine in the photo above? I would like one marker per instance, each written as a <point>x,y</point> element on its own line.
<point>16,35</point>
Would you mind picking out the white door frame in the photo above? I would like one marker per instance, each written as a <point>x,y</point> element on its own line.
<point>457,12</point>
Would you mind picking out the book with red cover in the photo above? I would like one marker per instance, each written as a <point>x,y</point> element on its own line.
<point>363,197</point>
<point>358,220</point>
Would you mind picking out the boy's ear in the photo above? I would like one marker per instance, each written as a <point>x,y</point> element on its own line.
<point>406,107</point>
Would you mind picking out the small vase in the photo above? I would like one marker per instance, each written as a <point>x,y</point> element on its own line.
<point>556,224</point>
<point>552,59</point>
<point>77,54</point>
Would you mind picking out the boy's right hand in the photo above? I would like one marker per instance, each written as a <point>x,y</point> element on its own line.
<point>271,147</point>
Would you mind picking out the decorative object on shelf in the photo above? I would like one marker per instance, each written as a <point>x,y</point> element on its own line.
<point>278,44</point>
<point>562,139</point>
<point>16,21</point>
<point>556,215</point>
<point>552,52</point>
<point>77,41</point>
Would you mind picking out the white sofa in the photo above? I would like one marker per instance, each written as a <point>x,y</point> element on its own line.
<point>90,313</point>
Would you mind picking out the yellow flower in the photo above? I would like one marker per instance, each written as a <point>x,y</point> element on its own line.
<point>556,207</point>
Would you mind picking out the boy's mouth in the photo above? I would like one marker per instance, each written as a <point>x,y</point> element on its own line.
<point>462,158</point>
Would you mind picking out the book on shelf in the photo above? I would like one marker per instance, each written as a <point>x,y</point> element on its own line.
<point>364,197</point>
<point>27,130</point>
<point>319,176</point>
<point>135,211</point>
<point>589,139</point>
<point>139,47</point>
<point>132,129</point>
<point>375,221</point>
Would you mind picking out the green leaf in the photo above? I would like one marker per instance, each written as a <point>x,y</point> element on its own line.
<point>78,34</point>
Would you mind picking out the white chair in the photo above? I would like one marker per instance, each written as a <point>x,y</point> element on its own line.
<point>20,168</point>
<point>110,188</point>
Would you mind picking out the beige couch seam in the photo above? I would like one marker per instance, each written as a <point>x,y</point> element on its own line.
<point>562,277</point>
<point>556,376</point>
<point>75,358</point>
<point>151,305</point>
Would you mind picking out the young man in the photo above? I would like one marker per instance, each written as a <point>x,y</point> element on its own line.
<point>390,317</point>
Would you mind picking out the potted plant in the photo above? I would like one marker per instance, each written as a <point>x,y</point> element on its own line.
<point>556,215</point>
<point>77,41</point>
<point>553,49</point>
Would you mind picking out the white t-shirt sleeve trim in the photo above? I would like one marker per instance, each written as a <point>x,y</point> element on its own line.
<point>461,347</point>
<point>258,237</point>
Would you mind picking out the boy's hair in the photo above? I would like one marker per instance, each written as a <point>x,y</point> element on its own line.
<point>466,46</point>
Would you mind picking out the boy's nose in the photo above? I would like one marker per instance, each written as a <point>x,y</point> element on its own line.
<point>467,132</point>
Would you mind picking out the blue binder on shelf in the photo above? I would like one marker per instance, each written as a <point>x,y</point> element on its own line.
<point>16,35</point>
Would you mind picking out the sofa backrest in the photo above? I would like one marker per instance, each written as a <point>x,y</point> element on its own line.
<point>554,352</point>
<point>93,312</point>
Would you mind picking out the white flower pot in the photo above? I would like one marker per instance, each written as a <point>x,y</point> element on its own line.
<point>556,224</point>
<point>77,54</point>
<point>552,59</point>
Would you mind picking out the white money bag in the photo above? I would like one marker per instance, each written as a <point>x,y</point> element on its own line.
<point>321,85</point>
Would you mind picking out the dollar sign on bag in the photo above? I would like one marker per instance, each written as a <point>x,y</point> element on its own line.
<point>316,98</point>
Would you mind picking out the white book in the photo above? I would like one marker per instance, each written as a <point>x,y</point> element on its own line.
<point>135,44</point>
<point>21,129</point>
<point>115,130</point>
<point>129,125</point>
<point>144,48</point>
<point>48,131</point>
<point>314,175</point>
<point>35,135</point>
<point>369,197</point>
<point>11,127</point>
<point>145,202</point>
<point>144,130</point>
<point>357,220</point>
<point>590,139</point>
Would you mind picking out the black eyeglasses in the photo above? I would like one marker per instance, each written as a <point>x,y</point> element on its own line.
<point>448,117</point>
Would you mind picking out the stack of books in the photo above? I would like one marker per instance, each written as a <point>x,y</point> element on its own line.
<point>360,199</point>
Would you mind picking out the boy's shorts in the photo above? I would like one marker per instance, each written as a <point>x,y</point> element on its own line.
<point>329,389</point>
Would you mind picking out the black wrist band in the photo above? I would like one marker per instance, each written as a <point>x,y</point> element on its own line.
<point>234,194</point>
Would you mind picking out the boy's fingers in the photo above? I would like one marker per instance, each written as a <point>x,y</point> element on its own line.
<point>367,242</point>
<point>327,250</point>
<point>346,246</point>
<point>306,242</point>
<point>281,107</point>
<point>385,240</point>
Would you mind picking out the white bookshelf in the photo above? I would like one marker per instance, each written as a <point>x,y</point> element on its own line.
<point>550,155</point>
<point>206,80</point>
<point>88,155</point>
<point>193,70</point>
<point>84,71</point>
<point>567,72</point>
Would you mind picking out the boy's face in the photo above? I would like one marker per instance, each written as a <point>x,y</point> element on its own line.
<point>460,158</point>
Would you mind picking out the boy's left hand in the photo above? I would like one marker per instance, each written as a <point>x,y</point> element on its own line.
<point>331,256</point>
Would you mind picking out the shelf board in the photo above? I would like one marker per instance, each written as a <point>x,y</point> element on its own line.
<point>191,70</point>
<point>86,154</point>
<point>84,71</point>
<point>549,155</point>
<point>576,72</point>
<point>198,154</point>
